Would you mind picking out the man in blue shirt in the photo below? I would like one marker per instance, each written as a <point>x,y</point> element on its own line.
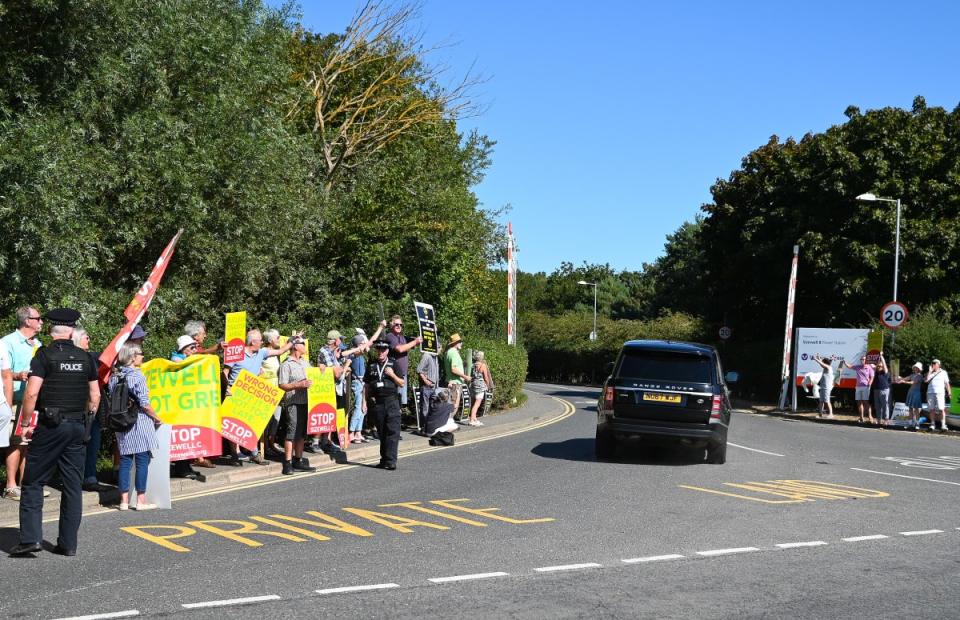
<point>21,344</point>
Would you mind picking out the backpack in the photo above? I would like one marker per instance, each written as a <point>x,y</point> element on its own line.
<point>122,410</point>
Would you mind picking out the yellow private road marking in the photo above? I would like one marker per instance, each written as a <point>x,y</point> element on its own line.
<point>568,407</point>
<point>791,491</point>
<point>250,531</point>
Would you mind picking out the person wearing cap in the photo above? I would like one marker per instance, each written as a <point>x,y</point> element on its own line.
<point>453,370</point>
<point>938,386</point>
<point>358,369</point>
<point>914,395</point>
<point>20,344</point>
<point>339,360</point>
<point>399,349</point>
<point>292,379</point>
<point>186,346</point>
<point>383,402</point>
<point>63,387</point>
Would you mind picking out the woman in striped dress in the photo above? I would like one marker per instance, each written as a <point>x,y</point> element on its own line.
<point>136,442</point>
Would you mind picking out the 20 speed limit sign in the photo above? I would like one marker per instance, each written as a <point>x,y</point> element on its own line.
<point>894,315</point>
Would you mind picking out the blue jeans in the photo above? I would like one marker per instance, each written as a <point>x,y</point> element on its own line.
<point>356,418</point>
<point>93,451</point>
<point>143,464</point>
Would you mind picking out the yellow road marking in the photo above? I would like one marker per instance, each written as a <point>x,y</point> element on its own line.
<point>795,491</point>
<point>569,410</point>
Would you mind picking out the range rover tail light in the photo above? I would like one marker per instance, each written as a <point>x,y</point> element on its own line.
<point>608,395</point>
<point>715,410</point>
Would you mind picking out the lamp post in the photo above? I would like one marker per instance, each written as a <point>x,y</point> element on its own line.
<point>869,197</point>
<point>593,334</point>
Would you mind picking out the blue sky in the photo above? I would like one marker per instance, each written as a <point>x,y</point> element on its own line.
<point>613,118</point>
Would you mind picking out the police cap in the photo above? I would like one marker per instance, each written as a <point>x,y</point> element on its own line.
<point>63,316</point>
<point>382,343</point>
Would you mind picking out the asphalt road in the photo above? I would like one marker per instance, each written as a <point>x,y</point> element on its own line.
<point>804,520</point>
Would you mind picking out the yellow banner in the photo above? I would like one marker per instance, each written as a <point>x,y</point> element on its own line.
<point>235,335</point>
<point>186,395</point>
<point>321,402</point>
<point>249,407</point>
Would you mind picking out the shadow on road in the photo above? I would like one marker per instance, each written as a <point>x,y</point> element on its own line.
<point>9,537</point>
<point>631,452</point>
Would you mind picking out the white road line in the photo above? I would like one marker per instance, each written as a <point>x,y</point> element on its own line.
<point>794,545</point>
<point>374,586</point>
<point>653,558</point>
<point>114,614</point>
<point>862,538</point>
<point>467,577</point>
<point>884,473</point>
<point>713,552</point>
<point>921,532</point>
<point>232,601</point>
<point>752,449</point>
<point>550,569</point>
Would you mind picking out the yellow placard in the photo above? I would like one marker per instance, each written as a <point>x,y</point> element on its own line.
<point>321,401</point>
<point>235,335</point>
<point>186,395</point>
<point>874,346</point>
<point>249,407</point>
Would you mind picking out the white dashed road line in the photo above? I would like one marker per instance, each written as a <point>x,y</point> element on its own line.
<point>232,601</point>
<point>752,449</point>
<point>115,614</point>
<point>715,552</point>
<point>797,545</point>
<point>921,532</point>
<point>653,558</point>
<point>863,538</point>
<point>467,577</point>
<point>550,569</point>
<point>373,586</point>
<point>886,473</point>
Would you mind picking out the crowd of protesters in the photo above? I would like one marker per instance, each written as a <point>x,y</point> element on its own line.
<point>371,378</point>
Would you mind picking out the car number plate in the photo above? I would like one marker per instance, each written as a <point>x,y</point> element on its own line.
<point>657,397</point>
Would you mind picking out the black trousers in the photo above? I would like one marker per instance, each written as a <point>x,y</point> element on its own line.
<point>58,448</point>
<point>386,415</point>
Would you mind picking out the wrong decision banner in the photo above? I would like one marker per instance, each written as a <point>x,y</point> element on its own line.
<point>245,413</point>
<point>186,395</point>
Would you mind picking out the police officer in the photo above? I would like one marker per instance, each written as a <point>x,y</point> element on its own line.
<point>63,389</point>
<point>381,384</point>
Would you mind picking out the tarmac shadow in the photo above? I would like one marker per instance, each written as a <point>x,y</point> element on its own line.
<point>9,537</point>
<point>673,454</point>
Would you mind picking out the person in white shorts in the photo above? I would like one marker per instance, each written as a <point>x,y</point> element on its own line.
<point>938,384</point>
<point>6,397</point>
<point>865,373</point>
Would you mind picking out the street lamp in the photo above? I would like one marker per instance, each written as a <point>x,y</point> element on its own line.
<point>593,334</point>
<point>869,197</point>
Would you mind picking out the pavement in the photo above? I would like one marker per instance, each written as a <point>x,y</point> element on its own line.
<point>536,410</point>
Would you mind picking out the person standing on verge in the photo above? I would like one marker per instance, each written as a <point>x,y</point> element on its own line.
<point>6,399</point>
<point>381,391</point>
<point>135,443</point>
<point>938,386</point>
<point>90,482</point>
<point>21,345</point>
<point>453,371</point>
<point>63,386</point>
<point>399,348</point>
<point>826,387</point>
<point>881,393</point>
<point>292,379</point>
<point>914,394</point>
<point>480,382</point>
<point>429,372</point>
<point>865,374</point>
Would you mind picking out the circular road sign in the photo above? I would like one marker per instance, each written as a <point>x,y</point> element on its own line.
<point>894,315</point>
<point>725,332</point>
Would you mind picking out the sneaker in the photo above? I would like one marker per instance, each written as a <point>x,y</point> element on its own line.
<point>123,506</point>
<point>258,459</point>
<point>12,493</point>
<point>302,465</point>
<point>287,468</point>
<point>243,458</point>
<point>144,506</point>
<point>312,449</point>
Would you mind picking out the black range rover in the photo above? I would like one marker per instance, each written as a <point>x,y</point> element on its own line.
<point>666,389</point>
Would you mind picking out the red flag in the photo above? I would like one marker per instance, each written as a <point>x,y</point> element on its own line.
<point>138,306</point>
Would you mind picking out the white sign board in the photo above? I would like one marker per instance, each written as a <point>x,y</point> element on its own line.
<point>830,344</point>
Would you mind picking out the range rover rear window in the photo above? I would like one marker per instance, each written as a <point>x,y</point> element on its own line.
<point>664,366</point>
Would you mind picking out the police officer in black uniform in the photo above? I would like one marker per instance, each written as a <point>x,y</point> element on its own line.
<point>381,384</point>
<point>63,389</point>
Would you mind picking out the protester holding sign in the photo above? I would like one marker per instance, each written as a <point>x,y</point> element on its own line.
<point>292,379</point>
<point>865,374</point>
<point>826,386</point>
<point>914,394</point>
<point>938,386</point>
<point>399,348</point>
